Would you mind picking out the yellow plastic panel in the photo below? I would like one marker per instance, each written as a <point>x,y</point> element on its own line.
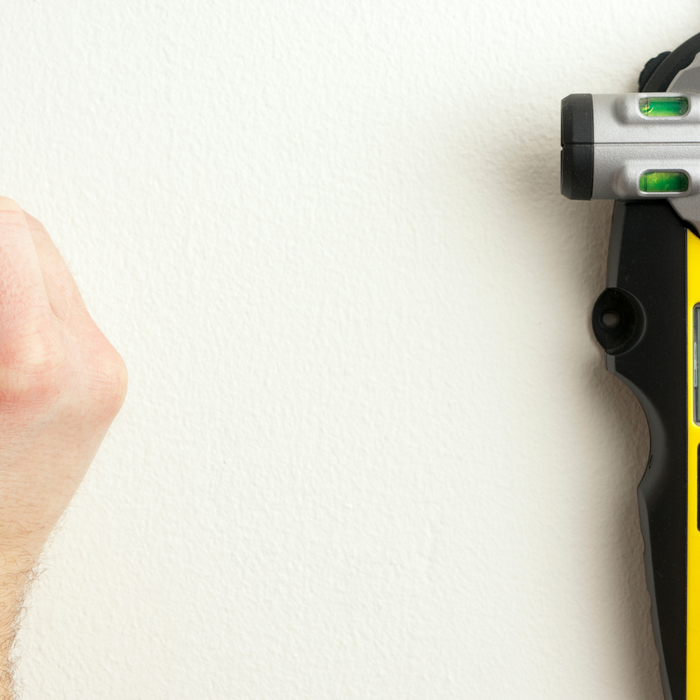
<point>693,672</point>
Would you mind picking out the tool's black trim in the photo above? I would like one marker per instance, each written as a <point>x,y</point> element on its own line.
<point>577,171</point>
<point>577,119</point>
<point>647,260</point>
<point>666,71</point>
<point>626,327</point>
<point>577,146</point>
<point>651,65</point>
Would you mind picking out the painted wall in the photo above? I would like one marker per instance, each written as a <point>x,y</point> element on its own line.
<point>370,450</point>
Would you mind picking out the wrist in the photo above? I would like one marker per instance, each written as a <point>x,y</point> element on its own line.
<point>14,583</point>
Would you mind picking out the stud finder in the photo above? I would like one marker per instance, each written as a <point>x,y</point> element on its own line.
<point>643,151</point>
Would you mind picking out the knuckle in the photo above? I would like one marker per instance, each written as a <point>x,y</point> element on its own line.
<point>40,368</point>
<point>35,225</point>
<point>8,204</point>
<point>32,368</point>
<point>108,382</point>
<point>11,214</point>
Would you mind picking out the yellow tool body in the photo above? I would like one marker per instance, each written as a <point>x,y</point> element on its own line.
<point>693,587</point>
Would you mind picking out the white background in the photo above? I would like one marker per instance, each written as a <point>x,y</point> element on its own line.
<point>370,449</point>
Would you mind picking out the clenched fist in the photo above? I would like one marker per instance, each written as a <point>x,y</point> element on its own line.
<point>61,385</point>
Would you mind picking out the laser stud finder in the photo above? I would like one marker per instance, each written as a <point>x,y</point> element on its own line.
<point>643,150</point>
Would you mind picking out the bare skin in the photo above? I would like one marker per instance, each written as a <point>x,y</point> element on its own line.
<point>62,383</point>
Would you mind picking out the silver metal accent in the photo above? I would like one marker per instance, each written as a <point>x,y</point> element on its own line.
<point>629,143</point>
<point>688,80</point>
<point>618,119</point>
<point>618,168</point>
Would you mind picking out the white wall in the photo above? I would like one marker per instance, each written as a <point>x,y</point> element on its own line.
<point>370,449</point>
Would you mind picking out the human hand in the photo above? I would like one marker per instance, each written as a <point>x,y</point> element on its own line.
<point>62,383</point>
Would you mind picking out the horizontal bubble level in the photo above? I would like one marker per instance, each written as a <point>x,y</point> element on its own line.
<point>663,106</point>
<point>663,181</point>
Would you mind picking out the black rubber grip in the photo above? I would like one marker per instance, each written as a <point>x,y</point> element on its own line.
<point>647,349</point>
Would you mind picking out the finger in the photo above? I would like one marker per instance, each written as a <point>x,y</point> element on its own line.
<point>23,296</point>
<point>62,291</point>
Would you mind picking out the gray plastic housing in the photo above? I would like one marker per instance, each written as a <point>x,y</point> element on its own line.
<point>626,144</point>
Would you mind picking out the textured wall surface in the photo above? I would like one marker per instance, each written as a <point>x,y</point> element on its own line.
<point>370,450</point>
